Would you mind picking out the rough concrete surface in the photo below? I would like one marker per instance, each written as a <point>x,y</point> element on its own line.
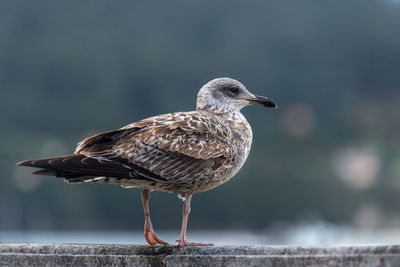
<point>45,254</point>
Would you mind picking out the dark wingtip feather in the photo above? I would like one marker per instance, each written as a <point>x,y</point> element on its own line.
<point>77,168</point>
<point>45,172</point>
<point>27,163</point>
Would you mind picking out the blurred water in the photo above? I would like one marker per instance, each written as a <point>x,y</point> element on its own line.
<point>304,234</point>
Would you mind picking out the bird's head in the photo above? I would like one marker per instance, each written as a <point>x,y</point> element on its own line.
<point>228,95</point>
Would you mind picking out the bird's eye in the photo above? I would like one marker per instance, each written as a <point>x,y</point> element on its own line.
<point>234,90</point>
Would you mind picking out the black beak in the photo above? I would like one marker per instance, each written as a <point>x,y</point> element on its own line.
<point>263,101</point>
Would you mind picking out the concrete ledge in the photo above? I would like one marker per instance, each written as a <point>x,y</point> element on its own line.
<point>43,254</point>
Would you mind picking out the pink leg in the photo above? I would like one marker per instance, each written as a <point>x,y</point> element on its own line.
<point>182,238</point>
<point>149,233</point>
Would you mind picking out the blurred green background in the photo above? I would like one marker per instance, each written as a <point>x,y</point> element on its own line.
<point>69,69</point>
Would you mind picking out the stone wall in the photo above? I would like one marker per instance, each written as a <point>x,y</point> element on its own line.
<point>43,254</point>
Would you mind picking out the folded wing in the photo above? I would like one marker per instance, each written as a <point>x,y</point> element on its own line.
<point>168,148</point>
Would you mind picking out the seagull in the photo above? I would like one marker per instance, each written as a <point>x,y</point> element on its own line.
<point>183,152</point>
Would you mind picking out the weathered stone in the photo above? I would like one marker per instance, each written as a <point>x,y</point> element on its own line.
<point>43,254</point>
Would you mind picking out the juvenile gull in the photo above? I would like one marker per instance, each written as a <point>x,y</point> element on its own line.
<point>183,152</point>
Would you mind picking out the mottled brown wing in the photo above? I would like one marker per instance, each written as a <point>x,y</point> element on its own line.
<point>188,133</point>
<point>175,146</point>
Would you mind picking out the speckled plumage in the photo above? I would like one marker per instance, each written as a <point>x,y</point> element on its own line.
<point>182,152</point>
<point>188,152</point>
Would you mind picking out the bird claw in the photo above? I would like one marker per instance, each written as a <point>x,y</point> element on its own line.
<point>153,239</point>
<point>184,243</point>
